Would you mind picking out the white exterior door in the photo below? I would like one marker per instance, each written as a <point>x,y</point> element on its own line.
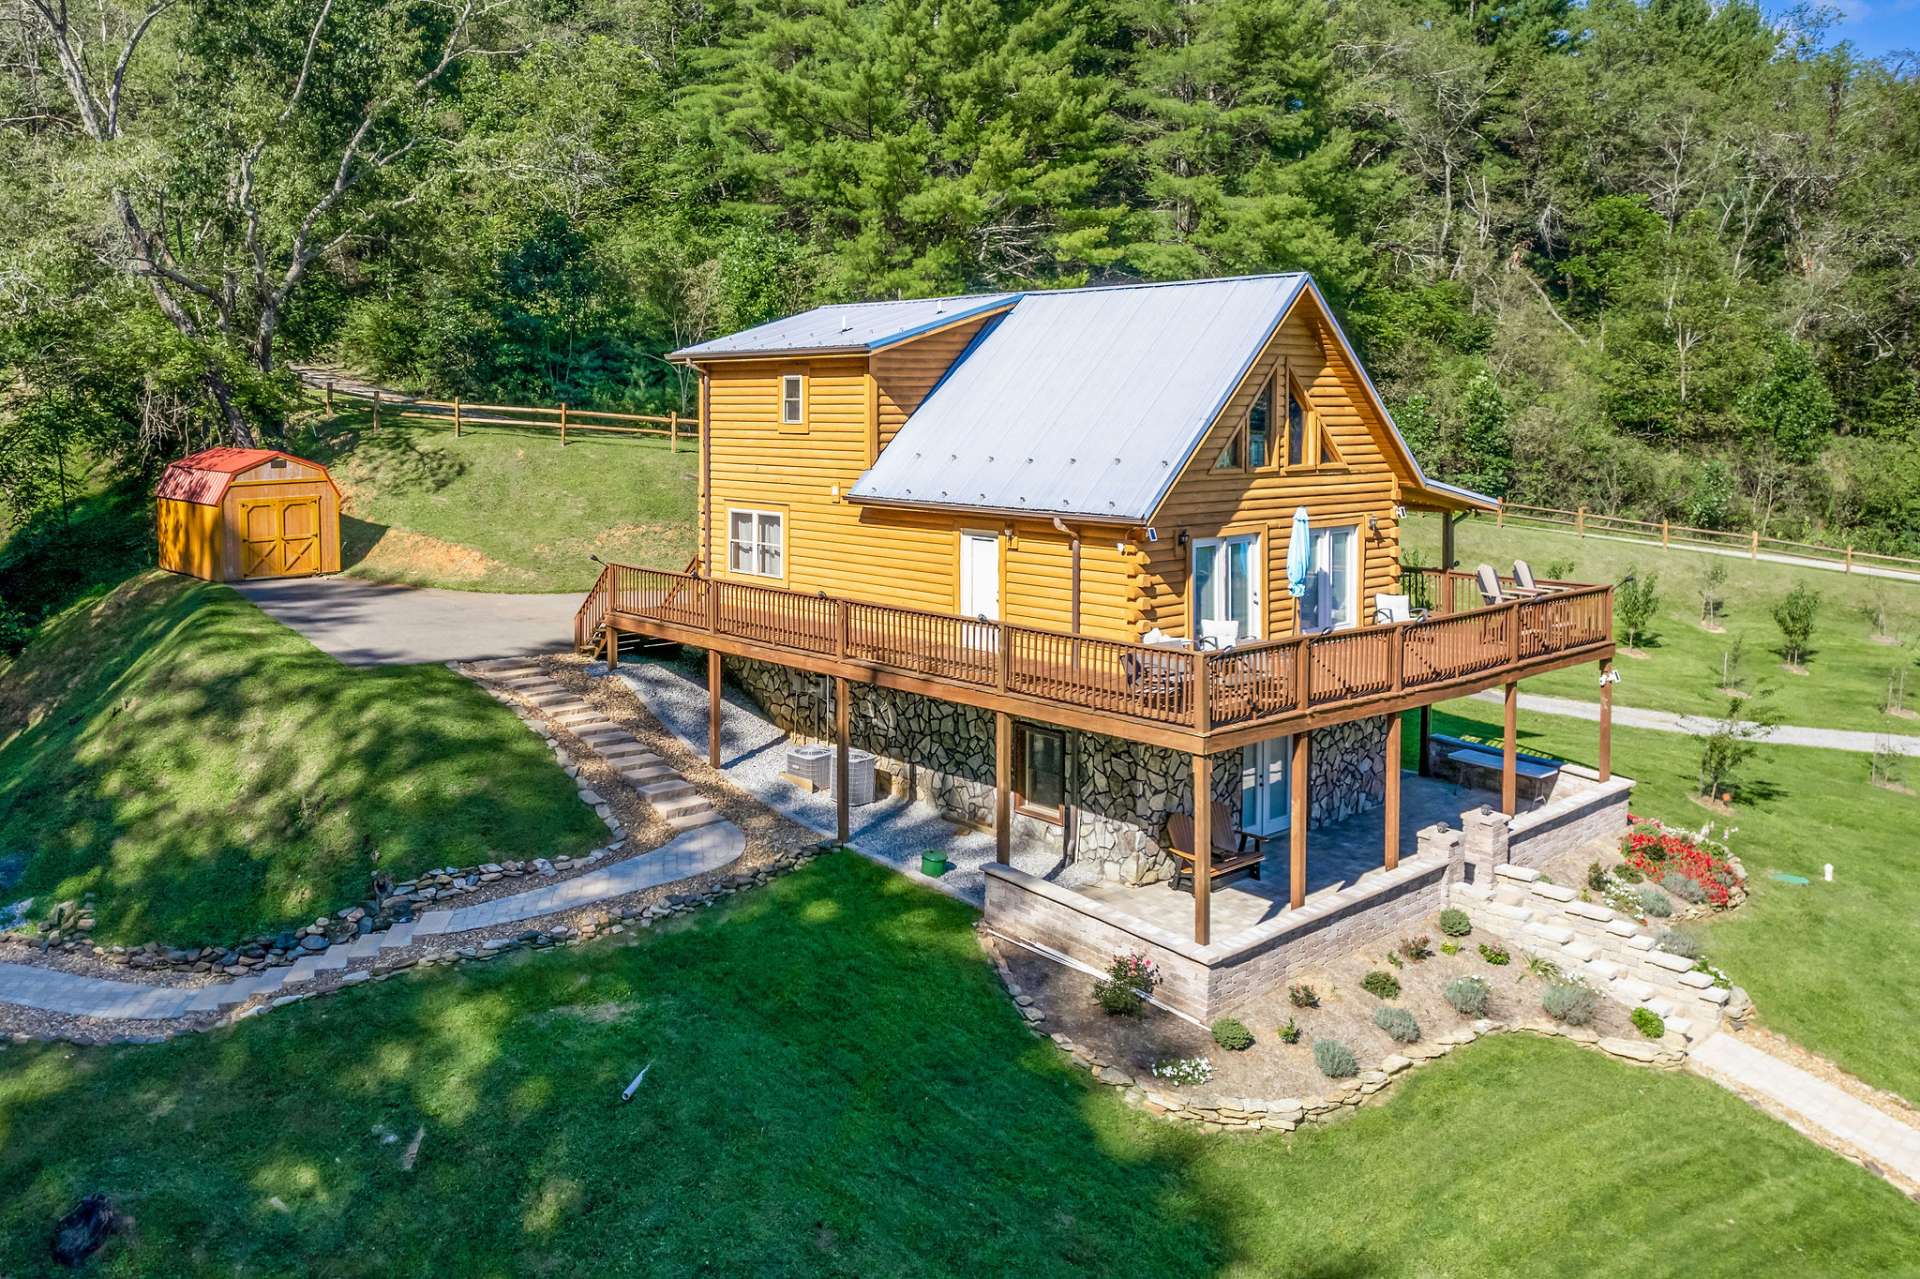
<point>1264,793</point>
<point>980,575</point>
<point>1226,586</point>
<point>1333,587</point>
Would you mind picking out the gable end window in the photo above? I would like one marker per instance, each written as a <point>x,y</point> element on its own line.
<point>793,399</point>
<point>1297,425</point>
<point>1260,427</point>
<point>756,543</point>
<point>1040,771</point>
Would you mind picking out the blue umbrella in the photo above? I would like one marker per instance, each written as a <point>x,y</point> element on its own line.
<point>1299,553</point>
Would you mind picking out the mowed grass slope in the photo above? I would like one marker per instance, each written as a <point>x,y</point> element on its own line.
<point>1847,670</point>
<point>207,773</point>
<point>504,509</point>
<point>1829,965</point>
<point>837,1086</point>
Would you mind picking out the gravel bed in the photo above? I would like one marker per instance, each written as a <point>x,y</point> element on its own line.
<point>893,830</point>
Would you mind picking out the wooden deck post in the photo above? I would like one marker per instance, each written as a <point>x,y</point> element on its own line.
<point>1421,765</point>
<point>713,708</point>
<point>841,703</point>
<point>1393,791</point>
<point>1510,753</point>
<point>1297,822</point>
<point>1606,720</point>
<point>1202,849</point>
<point>1446,555</point>
<point>1002,787</point>
<point>613,647</point>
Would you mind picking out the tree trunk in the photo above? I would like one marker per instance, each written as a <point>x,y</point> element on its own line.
<point>239,432</point>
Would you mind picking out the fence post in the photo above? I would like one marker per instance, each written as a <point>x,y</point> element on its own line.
<point>456,417</point>
<point>329,397</point>
<point>376,408</point>
<point>1580,521</point>
<point>1849,559</point>
<point>563,426</point>
<point>1500,515</point>
<point>1756,544</point>
<point>673,432</point>
<point>1663,535</point>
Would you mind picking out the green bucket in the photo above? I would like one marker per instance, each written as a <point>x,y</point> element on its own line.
<point>933,863</point>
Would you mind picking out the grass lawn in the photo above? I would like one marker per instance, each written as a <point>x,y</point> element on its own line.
<point>838,1087</point>
<point>1827,964</point>
<point>504,509</point>
<point>1847,669</point>
<point>206,772</point>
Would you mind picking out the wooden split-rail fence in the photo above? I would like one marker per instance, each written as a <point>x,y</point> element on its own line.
<point>561,418</point>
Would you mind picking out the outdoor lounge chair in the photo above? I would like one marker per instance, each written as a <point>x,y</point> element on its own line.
<point>1233,850</point>
<point>1523,583</point>
<point>1489,582</point>
<point>1389,609</point>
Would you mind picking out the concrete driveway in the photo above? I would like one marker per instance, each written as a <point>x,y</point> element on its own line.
<point>368,624</point>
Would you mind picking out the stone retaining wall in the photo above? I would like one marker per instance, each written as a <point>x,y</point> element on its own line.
<point>1119,793</point>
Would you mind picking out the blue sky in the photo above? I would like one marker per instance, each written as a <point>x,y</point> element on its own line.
<point>1877,26</point>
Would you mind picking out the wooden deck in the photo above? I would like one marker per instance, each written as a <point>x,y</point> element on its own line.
<point>1195,702</point>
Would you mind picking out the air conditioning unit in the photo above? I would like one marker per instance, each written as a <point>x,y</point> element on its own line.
<point>811,765</point>
<point>859,778</point>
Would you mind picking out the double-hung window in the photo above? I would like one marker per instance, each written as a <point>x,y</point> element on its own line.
<point>1226,587</point>
<point>1333,586</point>
<point>756,543</point>
<point>793,402</point>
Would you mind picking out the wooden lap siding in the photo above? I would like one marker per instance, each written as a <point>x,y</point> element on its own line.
<point>1206,502</point>
<point>903,374</point>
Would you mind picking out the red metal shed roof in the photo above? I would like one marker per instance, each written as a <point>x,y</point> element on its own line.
<point>203,477</point>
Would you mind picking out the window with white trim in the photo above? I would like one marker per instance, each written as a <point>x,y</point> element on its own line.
<point>793,399</point>
<point>756,543</point>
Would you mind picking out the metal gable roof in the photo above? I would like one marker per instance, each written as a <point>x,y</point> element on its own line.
<point>854,327</point>
<point>1082,402</point>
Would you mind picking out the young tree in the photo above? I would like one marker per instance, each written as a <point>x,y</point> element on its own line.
<point>1795,616</point>
<point>1730,746</point>
<point>1635,600</point>
<point>1712,594</point>
<point>1732,677</point>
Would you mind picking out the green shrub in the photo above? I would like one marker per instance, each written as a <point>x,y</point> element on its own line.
<point>1653,902</point>
<point>1232,1035</point>
<point>1596,877</point>
<point>1335,1059</point>
<point>1303,996</point>
<point>1468,995</point>
<point>1675,942</point>
<point>1394,960</point>
<point>1496,955</point>
<point>1381,985</point>
<point>1570,1002</point>
<point>1400,1025</point>
<point>1454,922</point>
<point>1649,1023</point>
<point>1685,889</point>
<point>1290,1033</point>
<point>1449,947</point>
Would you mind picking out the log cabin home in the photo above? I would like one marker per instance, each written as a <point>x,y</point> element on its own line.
<point>1032,551</point>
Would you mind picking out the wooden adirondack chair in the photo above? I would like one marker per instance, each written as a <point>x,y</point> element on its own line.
<point>1233,850</point>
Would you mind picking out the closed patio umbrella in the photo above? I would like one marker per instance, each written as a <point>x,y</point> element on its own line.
<point>1299,553</point>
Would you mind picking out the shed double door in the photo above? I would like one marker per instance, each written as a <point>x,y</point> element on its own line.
<point>280,537</point>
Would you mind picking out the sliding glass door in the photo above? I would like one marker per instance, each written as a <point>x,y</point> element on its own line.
<point>1226,588</point>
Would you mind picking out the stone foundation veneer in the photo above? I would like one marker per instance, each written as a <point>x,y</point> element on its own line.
<point>1119,793</point>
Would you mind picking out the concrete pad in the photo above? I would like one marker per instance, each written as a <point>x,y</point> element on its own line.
<point>369,624</point>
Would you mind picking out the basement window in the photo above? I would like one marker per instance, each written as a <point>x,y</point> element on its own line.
<point>1040,772</point>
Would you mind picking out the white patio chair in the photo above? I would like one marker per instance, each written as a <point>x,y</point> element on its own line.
<point>1390,609</point>
<point>1219,634</point>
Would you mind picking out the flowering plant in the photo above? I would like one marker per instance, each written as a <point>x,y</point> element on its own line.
<point>1657,851</point>
<point>1130,977</point>
<point>1184,1070</point>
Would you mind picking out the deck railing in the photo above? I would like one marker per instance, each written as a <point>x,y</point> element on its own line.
<point>1204,691</point>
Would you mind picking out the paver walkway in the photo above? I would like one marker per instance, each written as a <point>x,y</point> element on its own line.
<point>370,624</point>
<point>1728,1059</point>
<point>1835,739</point>
<point>694,852</point>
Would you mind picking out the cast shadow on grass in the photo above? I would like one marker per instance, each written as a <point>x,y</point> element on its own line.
<point>837,1085</point>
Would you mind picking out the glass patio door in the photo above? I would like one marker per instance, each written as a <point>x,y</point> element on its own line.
<point>1264,790</point>
<point>1226,586</point>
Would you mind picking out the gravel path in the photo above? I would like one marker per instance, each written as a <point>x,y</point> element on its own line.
<point>893,830</point>
<point>1834,739</point>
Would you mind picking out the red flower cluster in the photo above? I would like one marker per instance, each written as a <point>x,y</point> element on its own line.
<point>1655,852</point>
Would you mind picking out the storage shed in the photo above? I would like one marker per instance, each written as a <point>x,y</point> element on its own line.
<point>226,514</point>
